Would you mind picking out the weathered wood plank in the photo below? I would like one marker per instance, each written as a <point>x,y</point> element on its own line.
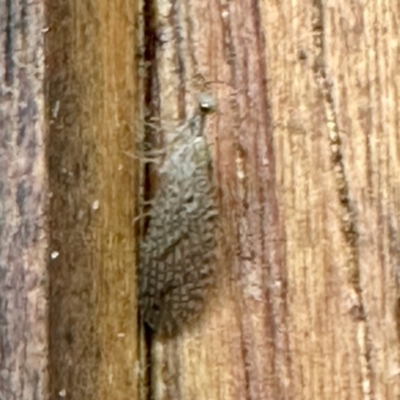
<point>239,348</point>
<point>92,100</point>
<point>23,204</point>
<point>332,68</point>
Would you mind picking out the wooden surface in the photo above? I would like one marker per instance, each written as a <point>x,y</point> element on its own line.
<point>240,347</point>
<point>23,200</point>
<point>306,150</point>
<point>91,75</point>
<point>334,90</point>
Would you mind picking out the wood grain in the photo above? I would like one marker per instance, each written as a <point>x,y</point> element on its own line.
<point>92,100</point>
<point>334,96</point>
<point>306,148</point>
<point>23,204</point>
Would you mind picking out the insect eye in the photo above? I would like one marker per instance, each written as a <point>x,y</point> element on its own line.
<point>207,103</point>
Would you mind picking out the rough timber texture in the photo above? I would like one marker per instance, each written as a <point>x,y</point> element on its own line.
<point>306,151</point>
<point>91,93</point>
<point>305,145</point>
<point>23,200</point>
<point>334,90</point>
<point>239,349</point>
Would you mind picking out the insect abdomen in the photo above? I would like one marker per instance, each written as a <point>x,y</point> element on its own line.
<point>176,256</point>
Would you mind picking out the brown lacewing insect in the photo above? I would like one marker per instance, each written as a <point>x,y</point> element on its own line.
<point>176,255</point>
